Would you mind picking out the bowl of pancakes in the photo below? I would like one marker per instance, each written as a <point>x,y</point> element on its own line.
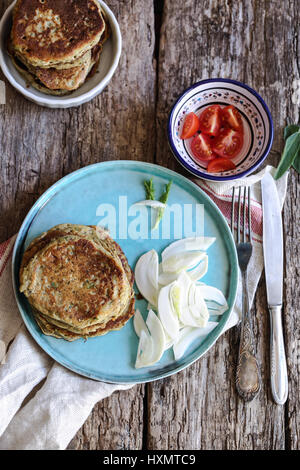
<point>59,53</point>
<point>77,281</point>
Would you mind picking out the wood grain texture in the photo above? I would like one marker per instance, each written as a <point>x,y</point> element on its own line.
<point>41,145</point>
<point>251,42</point>
<point>255,42</point>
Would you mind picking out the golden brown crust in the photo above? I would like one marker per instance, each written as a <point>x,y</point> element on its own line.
<point>47,32</point>
<point>73,281</point>
<point>78,281</point>
<point>50,327</point>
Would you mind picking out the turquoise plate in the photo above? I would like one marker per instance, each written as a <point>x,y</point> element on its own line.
<point>82,198</point>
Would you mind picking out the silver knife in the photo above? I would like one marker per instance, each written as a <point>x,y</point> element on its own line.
<point>273,259</point>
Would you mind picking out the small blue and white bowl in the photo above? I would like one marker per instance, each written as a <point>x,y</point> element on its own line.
<point>258,125</point>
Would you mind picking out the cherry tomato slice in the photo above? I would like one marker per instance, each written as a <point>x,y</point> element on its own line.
<point>232,118</point>
<point>210,120</point>
<point>190,126</point>
<point>220,164</point>
<point>228,143</point>
<point>201,147</point>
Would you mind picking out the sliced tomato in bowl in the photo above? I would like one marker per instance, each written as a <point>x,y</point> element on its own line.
<point>231,117</point>
<point>228,143</point>
<point>220,164</point>
<point>210,120</point>
<point>190,126</point>
<point>201,148</point>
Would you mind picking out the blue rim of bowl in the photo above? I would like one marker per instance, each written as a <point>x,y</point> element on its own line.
<point>205,175</point>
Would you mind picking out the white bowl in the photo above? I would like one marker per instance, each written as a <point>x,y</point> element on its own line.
<point>92,87</point>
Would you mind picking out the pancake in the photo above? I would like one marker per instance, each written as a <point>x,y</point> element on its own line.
<point>65,65</point>
<point>65,79</point>
<point>31,80</point>
<point>97,234</point>
<point>51,320</point>
<point>58,81</point>
<point>50,32</point>
<point>90,232</point>
<point>53,330</point>
<point>76,281</point>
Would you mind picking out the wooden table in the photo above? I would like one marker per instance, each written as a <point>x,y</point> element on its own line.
<point>168,45</point>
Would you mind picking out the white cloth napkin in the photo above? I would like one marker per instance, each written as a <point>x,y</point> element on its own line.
<point>42,404</point>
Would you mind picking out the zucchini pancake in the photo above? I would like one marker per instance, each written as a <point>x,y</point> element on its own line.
<point>56,44</point>
<point>78,282</point>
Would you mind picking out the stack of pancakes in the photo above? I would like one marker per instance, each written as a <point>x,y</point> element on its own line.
<point>78,281</point>
<point>56,44</point>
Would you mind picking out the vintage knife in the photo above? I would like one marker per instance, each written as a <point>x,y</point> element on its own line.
<point>273,259</point>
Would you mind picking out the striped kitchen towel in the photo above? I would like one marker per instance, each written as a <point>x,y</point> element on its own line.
<point>42,404</point>
<point>221,194</point>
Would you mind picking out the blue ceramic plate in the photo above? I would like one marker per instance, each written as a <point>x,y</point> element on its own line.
<point>256,117</point>
<point>88,196</point>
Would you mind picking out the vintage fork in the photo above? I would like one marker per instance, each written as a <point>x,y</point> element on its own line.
<point>248,381</point>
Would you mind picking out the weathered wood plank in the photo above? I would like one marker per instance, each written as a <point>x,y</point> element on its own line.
<point>41,145</point>
<point>38,146</point>
<point>255,42</point>
<point>251,42</point>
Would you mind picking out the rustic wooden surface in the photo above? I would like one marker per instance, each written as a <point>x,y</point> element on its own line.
<point>166,47</point>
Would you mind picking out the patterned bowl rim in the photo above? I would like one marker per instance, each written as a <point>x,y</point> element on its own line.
<point>213,177</point>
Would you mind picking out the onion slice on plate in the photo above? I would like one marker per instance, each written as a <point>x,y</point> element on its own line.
<point>152,344</point>
<point>184,260</point>
<point>151,203</point>
<point>212,293</point>
<point>188,244</point>
<point>146,276</point>
<point>139,323</point>
<point>200,270</point>
<point>167,314</point>
<point>188,335</point>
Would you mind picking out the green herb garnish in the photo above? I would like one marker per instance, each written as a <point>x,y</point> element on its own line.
<point>291,152</point>
<point>163,198</point>
<point>149,187</point>
<point>150,194</point>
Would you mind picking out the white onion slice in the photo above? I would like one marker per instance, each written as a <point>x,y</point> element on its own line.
<point>151,346</point>
<point>216,309</point>
<point>212,293</point>
<point>199,271</point>
<point>188,244</point>
<point>188,335</point>
<point>151,203</point>
<point>145,350</point>
<point>139,323</point>
<point>166,312</point>
<point>185,315</point>
<point>184,260</point>
<point>146,276</point>
<point>166,278</point>
<point>184,283</point>
<point>199,243</point>
<point>198,307</point>
<point>187,318</point>
<point>157,334</point>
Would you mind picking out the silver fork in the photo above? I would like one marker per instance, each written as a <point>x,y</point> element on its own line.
<point>248,381</point>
